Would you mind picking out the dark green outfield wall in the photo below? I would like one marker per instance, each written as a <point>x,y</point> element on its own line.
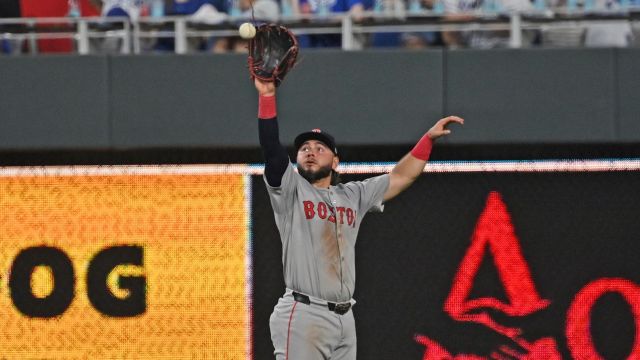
<point>581,96</point>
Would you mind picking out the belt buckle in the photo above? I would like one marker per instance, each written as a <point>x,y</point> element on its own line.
<point>342,308</point>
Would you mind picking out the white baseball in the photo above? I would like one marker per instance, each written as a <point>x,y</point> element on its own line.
<point>247,31</point>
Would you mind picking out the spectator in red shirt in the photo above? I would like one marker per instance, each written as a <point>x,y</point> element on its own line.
<point>55,8</point>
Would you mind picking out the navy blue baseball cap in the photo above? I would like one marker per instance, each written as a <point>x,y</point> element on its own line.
<point>319,135</point>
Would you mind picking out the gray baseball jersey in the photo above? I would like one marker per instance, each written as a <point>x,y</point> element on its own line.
<point>318,229</point>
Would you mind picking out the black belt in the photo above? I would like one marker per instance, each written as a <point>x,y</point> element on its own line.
<point>338,308</point>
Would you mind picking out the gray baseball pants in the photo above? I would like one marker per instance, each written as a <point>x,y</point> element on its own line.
<point>302,331</point>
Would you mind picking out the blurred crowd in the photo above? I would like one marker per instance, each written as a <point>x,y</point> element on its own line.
<point>213,12</point>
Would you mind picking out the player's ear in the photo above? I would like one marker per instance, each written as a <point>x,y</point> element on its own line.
<point>335,163</point>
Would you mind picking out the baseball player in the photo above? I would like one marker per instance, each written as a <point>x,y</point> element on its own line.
<point>318,220</point>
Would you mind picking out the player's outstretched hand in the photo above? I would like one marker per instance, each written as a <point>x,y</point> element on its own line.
<point>440,128</point>
<point>265,88</point>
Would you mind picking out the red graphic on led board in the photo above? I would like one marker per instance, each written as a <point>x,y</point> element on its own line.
<point>495,232</point>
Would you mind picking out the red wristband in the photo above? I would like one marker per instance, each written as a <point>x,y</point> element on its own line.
<point>266,107</point>
<point>422,150</point>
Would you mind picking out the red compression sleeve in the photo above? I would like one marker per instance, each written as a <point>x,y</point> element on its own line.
<point>422,150</point>
<point>266,107</point>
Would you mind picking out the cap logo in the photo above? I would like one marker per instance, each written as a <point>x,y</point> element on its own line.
<point>316,130</point>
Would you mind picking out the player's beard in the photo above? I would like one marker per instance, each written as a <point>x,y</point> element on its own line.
<point>313,176</point>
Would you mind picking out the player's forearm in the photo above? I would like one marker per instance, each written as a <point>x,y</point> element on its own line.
<point>275,155</point>
<point>409,168</point>
<point>403,175</point>
<point>412,164</point>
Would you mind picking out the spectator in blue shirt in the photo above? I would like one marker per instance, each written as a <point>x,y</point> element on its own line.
<point>188,7</point>
<point>9,9</point>
<point>325,7</point>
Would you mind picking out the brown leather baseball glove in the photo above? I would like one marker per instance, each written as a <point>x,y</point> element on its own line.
<point>272,53</point>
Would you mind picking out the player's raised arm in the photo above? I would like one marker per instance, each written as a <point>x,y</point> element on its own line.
<point>411,165</point>
<point>275,155</point>
<point>273,51</point>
